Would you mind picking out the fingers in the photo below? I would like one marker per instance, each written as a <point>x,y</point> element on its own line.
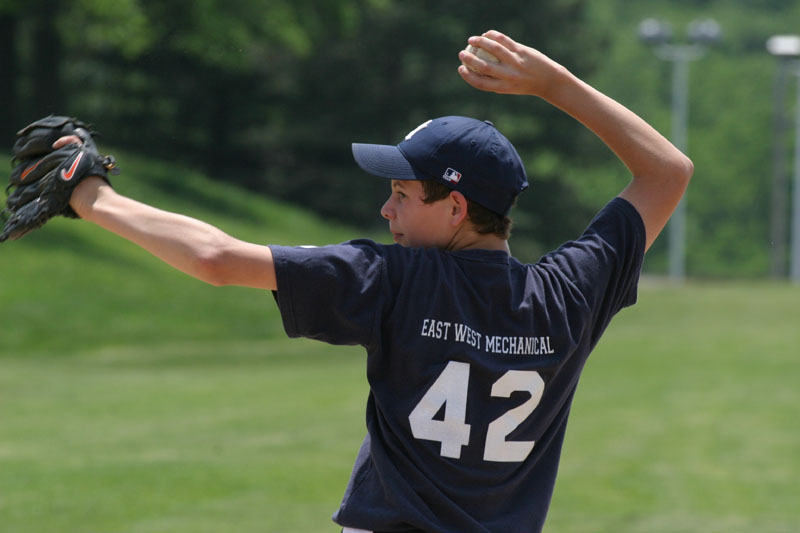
<point>480,81</point>
<point>498,44</point>
<point>501,46</point>
<point>475,64</point>
<point>67,139</point>
<point>486,75</point>
<point>502,38</point>
<point>506,50</point>
<point>521,70</point>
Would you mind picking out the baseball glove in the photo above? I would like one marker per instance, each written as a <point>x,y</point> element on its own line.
<point>43,178</point>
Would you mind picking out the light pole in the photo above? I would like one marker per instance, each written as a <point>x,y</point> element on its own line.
<point>787,49</point>
<point>658,35</point>
<point>794,271</point>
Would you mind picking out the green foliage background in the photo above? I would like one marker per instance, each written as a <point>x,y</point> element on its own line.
<point>731,111</point>
<point>270,94</point>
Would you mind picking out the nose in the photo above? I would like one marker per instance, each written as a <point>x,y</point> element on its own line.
<point>387,211</point>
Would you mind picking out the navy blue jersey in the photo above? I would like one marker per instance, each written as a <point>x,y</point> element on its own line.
<point>473,359</point>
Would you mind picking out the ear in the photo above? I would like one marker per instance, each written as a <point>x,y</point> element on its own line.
<point>458,209</point>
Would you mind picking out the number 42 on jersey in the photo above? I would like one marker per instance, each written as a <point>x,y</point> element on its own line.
<point>450,389</point>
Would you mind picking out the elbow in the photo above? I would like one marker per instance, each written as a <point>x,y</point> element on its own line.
<point>676,174</point>
<point>210,267</point>
<point>227,261</point>
<point>687,169</point>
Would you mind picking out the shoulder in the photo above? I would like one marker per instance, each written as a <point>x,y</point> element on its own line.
<point>617,230</point>
<point>349,250</point>
<point>608,255</point>
<point>618,217</point>
<point>348,263</point>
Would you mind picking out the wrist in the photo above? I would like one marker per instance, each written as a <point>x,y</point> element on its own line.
<point>558,82</point>
<point>87,195</point>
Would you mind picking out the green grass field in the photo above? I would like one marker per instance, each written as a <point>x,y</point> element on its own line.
<point>686,419</point>
<point>134,399</point>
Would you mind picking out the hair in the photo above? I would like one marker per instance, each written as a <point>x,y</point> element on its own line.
<point>485,221</point>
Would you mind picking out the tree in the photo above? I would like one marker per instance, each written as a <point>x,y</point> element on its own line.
<point>9,71</point>
<point>396,70</point>
<point>270,93</point>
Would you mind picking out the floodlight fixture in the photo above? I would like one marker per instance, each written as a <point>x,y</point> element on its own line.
<point>653,31</point>
<point>704,31</point>
<point>784,45</point>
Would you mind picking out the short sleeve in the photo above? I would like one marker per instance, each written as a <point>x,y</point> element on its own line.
<point>331,293</point>
<point>604,264</point>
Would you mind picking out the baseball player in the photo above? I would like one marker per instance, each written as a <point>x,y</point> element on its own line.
<point>472,356</point>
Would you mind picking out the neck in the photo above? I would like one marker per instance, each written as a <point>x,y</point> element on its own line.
<point>471,240</point>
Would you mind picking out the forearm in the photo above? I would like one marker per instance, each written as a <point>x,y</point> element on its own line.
<point>660,171</point>
<point>646,153</point>
<point>190,245</point>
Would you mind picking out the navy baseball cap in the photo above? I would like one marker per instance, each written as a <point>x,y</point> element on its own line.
<point>467,155</point>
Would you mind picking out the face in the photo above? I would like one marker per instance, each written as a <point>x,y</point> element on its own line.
<point>415,223</point>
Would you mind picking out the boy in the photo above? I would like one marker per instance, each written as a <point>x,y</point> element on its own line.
<point>473,357</point>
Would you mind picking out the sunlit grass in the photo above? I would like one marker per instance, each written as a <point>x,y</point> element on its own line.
<point>135,399</point>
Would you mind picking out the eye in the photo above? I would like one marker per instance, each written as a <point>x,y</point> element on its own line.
<point>400,194</point>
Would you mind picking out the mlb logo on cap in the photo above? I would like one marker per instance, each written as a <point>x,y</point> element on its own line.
<point>453,176</point>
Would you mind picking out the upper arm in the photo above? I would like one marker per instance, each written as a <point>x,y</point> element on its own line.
<point>333,293</point>
<point>656,200</point>
<point>244,264</point>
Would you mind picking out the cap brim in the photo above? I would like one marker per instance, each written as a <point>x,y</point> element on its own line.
<point>385,161</point>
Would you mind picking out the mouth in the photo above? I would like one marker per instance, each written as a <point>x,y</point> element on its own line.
<point>396,236</point>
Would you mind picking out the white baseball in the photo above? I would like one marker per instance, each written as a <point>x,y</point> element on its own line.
<point>482,54</point>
